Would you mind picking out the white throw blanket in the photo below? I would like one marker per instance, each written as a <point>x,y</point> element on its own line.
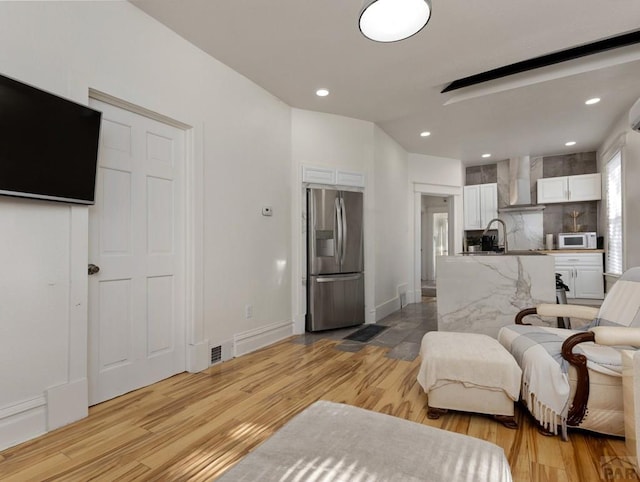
<point>468,358</point>
<point>545,383</point>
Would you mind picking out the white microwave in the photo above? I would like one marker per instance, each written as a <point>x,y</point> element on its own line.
<point>577,241</point>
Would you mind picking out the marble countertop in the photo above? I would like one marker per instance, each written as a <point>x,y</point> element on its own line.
<point>493,254</point>
<point>531,252</point>
<point>571,251</point>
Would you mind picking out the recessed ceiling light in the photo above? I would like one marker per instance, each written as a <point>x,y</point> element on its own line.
<point>425,134</point>
<point>595,100</point>
<point>486,155</point>
<point>570,143</point>
<point>322,92</point>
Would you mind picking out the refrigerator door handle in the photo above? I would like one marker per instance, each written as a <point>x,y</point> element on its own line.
<point>341,278</point>
<point>343,213</point>
<point>339,229</point>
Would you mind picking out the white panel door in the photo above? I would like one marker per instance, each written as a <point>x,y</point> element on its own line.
<point>136,301</point>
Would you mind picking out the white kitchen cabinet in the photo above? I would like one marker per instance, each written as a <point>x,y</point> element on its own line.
<point>318,175</point>
<point>582,273</point>
<point>349,178</point>
<point>324,175</point>
<point>584,187</point>
<point>480,205</point>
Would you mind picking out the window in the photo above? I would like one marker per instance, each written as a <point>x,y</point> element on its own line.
<point>613,188</point>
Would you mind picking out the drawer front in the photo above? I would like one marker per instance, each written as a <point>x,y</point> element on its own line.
<point>592,259</point>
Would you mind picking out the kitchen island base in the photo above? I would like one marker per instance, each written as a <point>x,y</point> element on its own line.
<point>481,294</point>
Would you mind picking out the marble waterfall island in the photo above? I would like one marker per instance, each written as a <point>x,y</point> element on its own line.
<point>481,294</point>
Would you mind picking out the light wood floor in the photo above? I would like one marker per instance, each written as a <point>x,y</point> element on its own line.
<point>195,426</point>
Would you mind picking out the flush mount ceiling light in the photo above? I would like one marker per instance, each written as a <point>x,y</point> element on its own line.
<point>425,134</point>
<point>595,100</point>
<point>393,20</point>
<point>322,92</point>
<point>570,143</point>
<point>486,155</point>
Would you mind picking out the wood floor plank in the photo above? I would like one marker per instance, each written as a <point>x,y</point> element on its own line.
<point>545,450</point>
<point>544,473</point>
<point>36,469</point>
<point>484,428</point>
<point>195,426</point>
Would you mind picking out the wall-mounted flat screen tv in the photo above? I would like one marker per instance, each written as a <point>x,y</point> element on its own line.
<point>48,145</point>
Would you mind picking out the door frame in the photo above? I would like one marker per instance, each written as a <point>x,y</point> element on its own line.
<point>454,195</point>
<point>196,349</point>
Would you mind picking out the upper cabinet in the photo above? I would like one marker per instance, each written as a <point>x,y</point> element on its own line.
<point>585,187</point>
<point>323,175</point>
<point>480,205</point>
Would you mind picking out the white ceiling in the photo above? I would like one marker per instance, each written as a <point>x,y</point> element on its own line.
<point>293,47</point>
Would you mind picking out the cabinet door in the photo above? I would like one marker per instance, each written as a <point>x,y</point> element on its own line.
<point>589,282</point>
<point>553,190</point>
<point>567,278</point>
<point>472,219</point>
<point>585,187</point>
<point>488,203</point>
<point>318,175</point>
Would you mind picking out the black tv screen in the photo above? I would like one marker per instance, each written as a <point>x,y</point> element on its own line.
<point>48,145</point>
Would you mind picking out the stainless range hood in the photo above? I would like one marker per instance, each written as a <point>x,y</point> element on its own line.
<point>520,186</point>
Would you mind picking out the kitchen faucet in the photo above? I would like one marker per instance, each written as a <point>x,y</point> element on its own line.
<point>504,231</point>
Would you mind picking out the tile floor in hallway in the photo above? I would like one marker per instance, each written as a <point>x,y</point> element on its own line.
<point>406,329</point>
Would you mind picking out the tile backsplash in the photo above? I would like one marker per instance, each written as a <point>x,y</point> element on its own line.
<point>570,164</point>
<point>526,230</point>
<point>485,174</point>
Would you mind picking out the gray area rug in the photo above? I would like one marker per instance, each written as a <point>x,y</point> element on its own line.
<point>333,442</point>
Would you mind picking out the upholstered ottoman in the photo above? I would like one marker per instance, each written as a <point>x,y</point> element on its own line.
<point>469,372</point>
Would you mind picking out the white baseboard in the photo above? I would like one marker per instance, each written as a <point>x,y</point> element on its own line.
<point>414,296</point>
<point>260,337</point>
<point>67,403</point>
<point>370,316</point>
<point>22,421</point>
<point>388,307</point>
<point>198,356</point>
<point>299,324</point>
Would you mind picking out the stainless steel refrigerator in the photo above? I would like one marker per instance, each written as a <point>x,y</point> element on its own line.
<point>335,267</point>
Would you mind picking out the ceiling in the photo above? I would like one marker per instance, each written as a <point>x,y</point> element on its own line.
<point>293,47</point>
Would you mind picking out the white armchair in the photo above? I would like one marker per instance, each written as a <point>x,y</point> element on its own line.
<point>573,377</point>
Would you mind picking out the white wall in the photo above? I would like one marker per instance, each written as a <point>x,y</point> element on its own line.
<point>240,160</point>
<point>632,199</point>
<point>391,223</point>
<point>621,134</point>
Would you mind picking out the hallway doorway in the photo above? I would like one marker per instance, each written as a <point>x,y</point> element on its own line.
<point>435,238</point>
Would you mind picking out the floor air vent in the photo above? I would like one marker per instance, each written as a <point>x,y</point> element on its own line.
<point>216,354</point>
